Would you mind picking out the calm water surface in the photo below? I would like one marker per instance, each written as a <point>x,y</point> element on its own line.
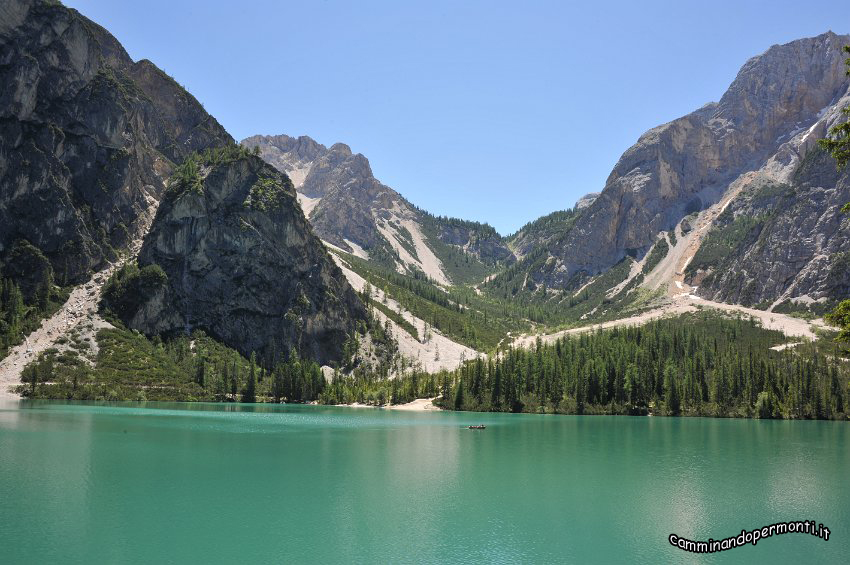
<point>211,483</point>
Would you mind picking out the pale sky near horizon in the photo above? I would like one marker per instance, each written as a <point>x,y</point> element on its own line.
<point>491,111</point>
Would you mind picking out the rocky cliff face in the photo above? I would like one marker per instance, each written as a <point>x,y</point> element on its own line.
<point>242,263</point>
<point>781,245</point>
<point>88,141</point>
<point>686,165</point>
<point>350,209</point>
<point>87,136</point>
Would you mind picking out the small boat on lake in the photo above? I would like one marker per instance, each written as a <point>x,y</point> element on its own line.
<point>478,427</point>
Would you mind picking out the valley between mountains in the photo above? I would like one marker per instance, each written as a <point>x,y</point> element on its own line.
<point>147,256</point>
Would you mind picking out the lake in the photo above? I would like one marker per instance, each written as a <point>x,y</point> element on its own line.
<point>217,483</point>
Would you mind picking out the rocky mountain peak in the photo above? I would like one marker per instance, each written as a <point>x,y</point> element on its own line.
<point>785,86</point>
<point>341,148</point>
<point>586,200</point>
<point>687,164</point>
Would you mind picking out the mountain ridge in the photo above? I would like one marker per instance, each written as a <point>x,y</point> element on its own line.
<point>350,209</point>
<point>91,142</point>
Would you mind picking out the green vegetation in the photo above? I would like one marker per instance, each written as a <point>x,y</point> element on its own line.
<point>840,317</point>
<point>400,320</point>
<point>130,366</point>
<point>457,312</point>
<point>656,254</point>
<point>266,194</point>
<point>722,242</point>
<point>405,239</point>
<point>463,266</point>
<point>551,229</point>
<point>839,146</point>
<point>586,301</point>
<point>187,176</point>
<point>696,365</point>
<point>545,227</point>
<point>700,364</point>
<point>478,230</point>
<point>378,392</point>
<point>27,294</point>
<point>110,80</point>
<point>130,287</point>
<point>804,310</point>
<point>483,320</point>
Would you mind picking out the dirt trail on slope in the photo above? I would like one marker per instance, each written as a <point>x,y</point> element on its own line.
<point>78,313</point>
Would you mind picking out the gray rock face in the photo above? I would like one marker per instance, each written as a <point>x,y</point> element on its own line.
<point>349,194</point>
<point>587,200</point>
<point>87,136</point>
<point>346,204</point>
<point>795,245</point>
<point>685,165</point>
<point>243,264</point>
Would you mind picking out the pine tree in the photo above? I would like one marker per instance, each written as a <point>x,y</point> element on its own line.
<point>249,395</point>
<point>200,372</point>
<point>671,388</point>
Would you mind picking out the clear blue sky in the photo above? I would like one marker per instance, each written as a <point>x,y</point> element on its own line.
<point>492,111</point>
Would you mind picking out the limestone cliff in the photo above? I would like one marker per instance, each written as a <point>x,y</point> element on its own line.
<point>242,264</point>
<point>87,136</point>
<point>686,165</point>
<point>781,245</point>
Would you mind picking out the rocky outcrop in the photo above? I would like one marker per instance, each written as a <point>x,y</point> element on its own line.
<point>543,233</point>
<point>781,244</point>
<point>87,136</point>
<point>685,165</point>
<point>586,200</point>
<point>350,209</point>
<point>480,240</point>
<point>242,264</point>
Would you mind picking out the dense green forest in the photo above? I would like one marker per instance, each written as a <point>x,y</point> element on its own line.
<point>697,365</point>
<point>700,364</point>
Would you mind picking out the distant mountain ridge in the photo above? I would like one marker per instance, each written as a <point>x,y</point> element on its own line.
<point>350,209</point>
<point>771,116</point>
<point>759,132</point>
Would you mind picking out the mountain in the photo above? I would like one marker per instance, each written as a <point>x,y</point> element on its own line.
<point>782,245</point>
<point>91,143</point>
<point>242,263</point>
<point>88,137</point>
<point>353,211</point>
<point>682,173</point>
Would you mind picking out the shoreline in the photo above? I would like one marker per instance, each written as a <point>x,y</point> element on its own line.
<point>418,405</point>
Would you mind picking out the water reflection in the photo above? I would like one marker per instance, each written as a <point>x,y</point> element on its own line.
<point>133,483</point>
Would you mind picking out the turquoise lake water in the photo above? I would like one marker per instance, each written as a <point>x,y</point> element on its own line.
<point>212,483</point>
